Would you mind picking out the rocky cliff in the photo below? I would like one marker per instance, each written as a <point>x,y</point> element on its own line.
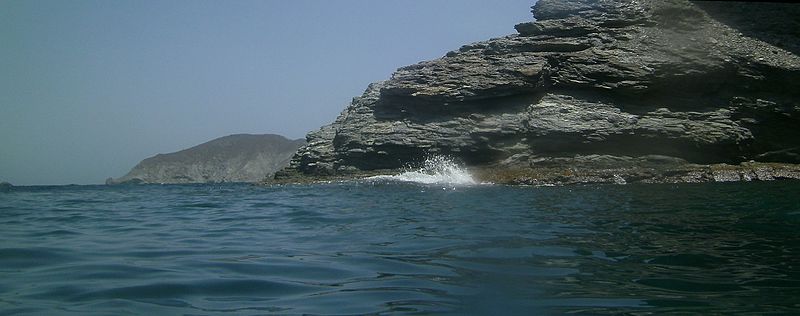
<point>234,158</point>
<point>591,91</point>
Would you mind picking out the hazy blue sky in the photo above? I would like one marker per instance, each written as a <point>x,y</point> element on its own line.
<point>89,88</point>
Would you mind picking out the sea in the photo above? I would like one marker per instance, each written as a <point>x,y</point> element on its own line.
<point>423,243</point>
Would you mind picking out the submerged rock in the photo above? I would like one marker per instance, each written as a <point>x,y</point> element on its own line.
<point>696,83</point>
<point>234,158</point>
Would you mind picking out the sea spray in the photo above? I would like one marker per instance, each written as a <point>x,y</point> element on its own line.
<point>435,170</point>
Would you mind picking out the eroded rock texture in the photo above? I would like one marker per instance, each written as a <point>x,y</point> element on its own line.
<point>626,80</point>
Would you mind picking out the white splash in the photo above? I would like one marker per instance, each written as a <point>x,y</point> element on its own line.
<point>435,170</point>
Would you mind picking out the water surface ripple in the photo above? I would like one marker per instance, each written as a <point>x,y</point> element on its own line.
<point>397,248</point>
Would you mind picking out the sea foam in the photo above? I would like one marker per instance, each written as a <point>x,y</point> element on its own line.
<point>435,170</point>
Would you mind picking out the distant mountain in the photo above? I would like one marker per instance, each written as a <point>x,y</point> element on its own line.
<point>234,158</point>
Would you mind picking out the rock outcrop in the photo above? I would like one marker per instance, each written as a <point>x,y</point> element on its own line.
<point>234,158</point>
<point>644,90</point>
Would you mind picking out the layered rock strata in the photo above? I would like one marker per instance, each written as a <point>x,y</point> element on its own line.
<point>234,158</point>
<point>644,90</point>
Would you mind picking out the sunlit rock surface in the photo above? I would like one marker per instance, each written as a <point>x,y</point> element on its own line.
<point>590,84</point>
<point>234,158</point>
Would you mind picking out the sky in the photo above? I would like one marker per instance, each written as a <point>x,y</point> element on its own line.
<point>88,88</point>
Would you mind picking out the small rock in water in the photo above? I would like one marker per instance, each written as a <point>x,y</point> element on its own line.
<point>5,186</point>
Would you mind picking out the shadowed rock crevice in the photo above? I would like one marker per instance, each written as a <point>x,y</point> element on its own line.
<point>775,23</point>
<point>423,111</point>
<point>699,83</point>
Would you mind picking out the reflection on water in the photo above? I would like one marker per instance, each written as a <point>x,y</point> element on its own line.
<point>381,247</point>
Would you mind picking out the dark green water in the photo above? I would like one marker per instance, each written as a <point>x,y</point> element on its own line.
<point>390,248</point>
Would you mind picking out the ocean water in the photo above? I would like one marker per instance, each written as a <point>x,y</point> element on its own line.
<point>398,246</point>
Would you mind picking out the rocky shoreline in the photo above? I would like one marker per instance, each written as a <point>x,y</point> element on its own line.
<point>624,174</point>
<point>569,172</point>
<point>612,91</point>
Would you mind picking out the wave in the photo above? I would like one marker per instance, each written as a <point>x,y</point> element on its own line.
<point>435,170</point>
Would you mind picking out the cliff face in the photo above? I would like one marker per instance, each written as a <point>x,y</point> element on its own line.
<point>234,158</point>
<point>648,85</point>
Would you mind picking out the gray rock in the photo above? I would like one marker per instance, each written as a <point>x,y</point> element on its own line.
<point>234,158</point>
<point>672,79</point>
<point>5,186</point>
